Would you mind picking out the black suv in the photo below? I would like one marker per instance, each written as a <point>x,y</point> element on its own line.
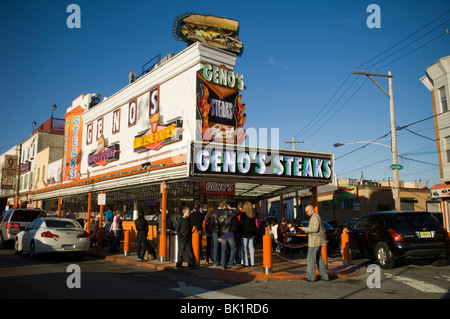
<point>391,236</point>
<point>15,220</point>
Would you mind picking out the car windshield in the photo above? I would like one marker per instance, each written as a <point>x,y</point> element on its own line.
<point>413,220</point>
<point>52,223</point>
<point>26,215</point>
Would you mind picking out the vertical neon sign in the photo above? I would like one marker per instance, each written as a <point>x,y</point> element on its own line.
<point>72,144</point>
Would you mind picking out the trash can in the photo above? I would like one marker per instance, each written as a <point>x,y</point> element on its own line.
<point>173,246</point>
<point>167,243</point>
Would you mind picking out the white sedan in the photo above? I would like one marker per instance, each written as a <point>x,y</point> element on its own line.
<point>52,235</point>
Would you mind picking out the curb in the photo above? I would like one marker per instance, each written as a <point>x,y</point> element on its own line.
<point>242,274</point>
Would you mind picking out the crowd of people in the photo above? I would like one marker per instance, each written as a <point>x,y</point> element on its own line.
<point>230,234</point>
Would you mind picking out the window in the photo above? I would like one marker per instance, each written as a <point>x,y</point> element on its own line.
<point>447,147</point>
<point>443,98</point>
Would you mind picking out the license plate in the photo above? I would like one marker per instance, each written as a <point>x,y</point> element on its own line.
<point>67,247</point>
<point>425,234</point>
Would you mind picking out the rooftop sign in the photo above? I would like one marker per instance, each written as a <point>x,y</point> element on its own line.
<point>219,32</point>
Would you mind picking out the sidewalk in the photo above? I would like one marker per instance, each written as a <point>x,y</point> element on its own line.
<point>283,267</point>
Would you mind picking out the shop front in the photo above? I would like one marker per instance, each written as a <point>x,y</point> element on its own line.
<point>173,137</point>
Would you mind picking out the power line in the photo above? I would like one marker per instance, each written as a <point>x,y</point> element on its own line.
<point>309,126</point>
<point>412,34</point>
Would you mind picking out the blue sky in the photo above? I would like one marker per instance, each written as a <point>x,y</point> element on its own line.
<point>297,54</point>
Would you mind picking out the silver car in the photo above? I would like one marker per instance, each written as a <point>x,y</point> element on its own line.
<point>52,235</point>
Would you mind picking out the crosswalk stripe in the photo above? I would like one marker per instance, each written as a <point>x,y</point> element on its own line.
<point>419,285</point>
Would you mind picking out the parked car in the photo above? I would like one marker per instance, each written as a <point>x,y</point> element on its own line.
<point>52,235</point>
<point>333,235</point>
<point>348,223</point>
<point>14,221</point>
<point>392,236</point>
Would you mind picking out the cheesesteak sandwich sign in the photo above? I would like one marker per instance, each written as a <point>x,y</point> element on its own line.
<point>225,160</point>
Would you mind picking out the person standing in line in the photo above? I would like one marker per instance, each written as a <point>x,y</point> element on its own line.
<point>141,236</point>
<point>116,228</point>
<point>249,230</point>
<point>226,228</point>
<point>208,233</point>
<point>215,238</point>
<point>196,218</point>
<point>184,230</point>
<point>316,239</point>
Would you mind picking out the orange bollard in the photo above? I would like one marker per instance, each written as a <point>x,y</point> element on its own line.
<point>196,245</point>
<point>267,252</point>
<point>324,252</point>
<point>325,255</point>
<point>345,247</point>
<point>126,242</point>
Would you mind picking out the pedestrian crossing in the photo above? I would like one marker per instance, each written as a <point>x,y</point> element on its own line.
<point>423,286</point>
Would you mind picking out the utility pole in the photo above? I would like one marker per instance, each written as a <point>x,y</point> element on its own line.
<point>390,95</point>
<point>293,142</point>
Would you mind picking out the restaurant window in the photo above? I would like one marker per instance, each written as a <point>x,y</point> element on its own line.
<point>443,99</point>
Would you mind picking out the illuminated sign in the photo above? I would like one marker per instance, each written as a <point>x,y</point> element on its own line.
<point>236,161</point>
<point>163,135</point>
<point>104,154</point>
<point>220,111</point>
<point>72,144</point>
<point>218,188</point>
<point>222,76</point>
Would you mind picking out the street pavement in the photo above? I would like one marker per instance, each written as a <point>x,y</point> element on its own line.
<point>284,267</point>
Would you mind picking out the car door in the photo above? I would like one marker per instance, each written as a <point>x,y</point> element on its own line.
<point>29,233</point>
<point>356,235</point>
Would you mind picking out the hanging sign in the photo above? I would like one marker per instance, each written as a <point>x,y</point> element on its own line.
<point>222,160</point>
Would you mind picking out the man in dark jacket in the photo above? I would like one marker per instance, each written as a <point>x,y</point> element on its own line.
<point>141,236</point>
<point>184,231</point>
<point>196,218</point>
<point>226,227</point>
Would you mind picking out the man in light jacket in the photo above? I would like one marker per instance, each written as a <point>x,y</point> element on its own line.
<point>316,239</point>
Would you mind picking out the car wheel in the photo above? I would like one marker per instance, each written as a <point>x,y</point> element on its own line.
<point>384,256</point>
<point>33,255</point>
<point>16,248</point>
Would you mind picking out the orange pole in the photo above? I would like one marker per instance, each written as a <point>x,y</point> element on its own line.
<point>325,255</point>
<point>163,237</point>
<point>88,227</point>
<point>100,227</point>
<point>59,206</point>
<point>345,247</point>
<point>267,252</point>
<point>126,242</point>
<point>196,245</point>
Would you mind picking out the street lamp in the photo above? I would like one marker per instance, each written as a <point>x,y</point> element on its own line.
<point>54,107</point>
<point>362,142</point>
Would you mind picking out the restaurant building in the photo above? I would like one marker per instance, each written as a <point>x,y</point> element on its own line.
<point>437,80</point>
<point>181,123</point>
<point>174,136</point>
